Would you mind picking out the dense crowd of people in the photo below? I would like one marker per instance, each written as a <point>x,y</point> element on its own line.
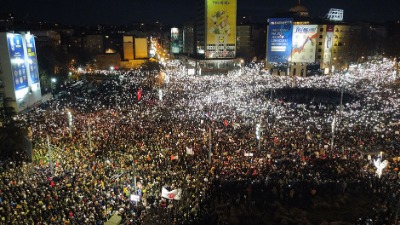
<point>208,136</point>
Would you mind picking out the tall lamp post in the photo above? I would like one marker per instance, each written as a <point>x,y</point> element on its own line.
<point>258,136</point>
<point>396,67</point>
<point>288,66</point>
<point>209,144</point>
<point>70,122</point>
<point>53,84</point>
<point>49,154</point>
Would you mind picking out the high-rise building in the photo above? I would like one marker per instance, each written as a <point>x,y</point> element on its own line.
<point>176,45</point>
<point>300,46</point>
<point>93,44</point>
<point>19,74</point>
<point>216,29</point>
<point>244,40</point>
<point>188,38</point>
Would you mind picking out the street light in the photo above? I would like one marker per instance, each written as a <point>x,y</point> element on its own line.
<point>258,135</point>
<point>334,121</point>
<point>396,67</point>
<point>288,66</point>
<point>53,83</point>
<point>70,122</point>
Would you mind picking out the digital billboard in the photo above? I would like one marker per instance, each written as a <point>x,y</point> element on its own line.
<point>17,59</point>
<point>279,42</point>
<point>304,43</point>
<point>328,45</point>
<point>176,45</point>
<point>221,29</point>
<point>32,59</point>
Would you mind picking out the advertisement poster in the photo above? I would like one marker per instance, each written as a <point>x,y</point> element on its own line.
<point>32,58</point>
<point>221,29</point>
<point>304,43</point>
<point>17,56</point>
<point>279,39</point>
<point>328,45</point>
<point>175,42</point>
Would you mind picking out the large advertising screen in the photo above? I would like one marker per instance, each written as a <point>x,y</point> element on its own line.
<point>221,29</point>
<point>17,59</point>
<point>32,59</point>
<point>304,43</point>
<point>175,42</point>
<point>279,39</point>
<point>328,45</point>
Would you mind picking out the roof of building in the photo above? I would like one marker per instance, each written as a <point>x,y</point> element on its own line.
<point>298,8</point>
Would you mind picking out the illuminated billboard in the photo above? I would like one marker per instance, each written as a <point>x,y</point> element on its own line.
<point>279,41</point>
<point>176,43</point>
<point>141,48</point>
<point>220,28</point>
<point>17,59</point>
<point>328,45</point>
<point>32,59</point>
<point>304,43</point>
<point>20,72</point>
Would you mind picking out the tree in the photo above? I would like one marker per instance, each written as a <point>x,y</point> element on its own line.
<point>12,133</point>
<point>45,82</point>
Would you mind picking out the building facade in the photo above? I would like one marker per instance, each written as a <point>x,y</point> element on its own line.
<point>216,29</point>
<point>19,72</point>
<point>300,46</point>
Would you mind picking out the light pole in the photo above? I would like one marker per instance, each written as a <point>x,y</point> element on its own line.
<point>333,131</point>
<point>52,85</point>
<point>258,135</point>
<point>90,137</point>
<point>209,144</point>
<point>334,121</point>
<point>396,67</point>
<point>49,154</point>
<point>70,122</point>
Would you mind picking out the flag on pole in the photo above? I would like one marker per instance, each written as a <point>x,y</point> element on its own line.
<point>226,123</point>
<point>175,194</point>
<point>139,94</point>
<point>174,157</point>
<point>235,125</point>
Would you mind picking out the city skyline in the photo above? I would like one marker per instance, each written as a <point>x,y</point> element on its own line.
<point>176,12</point>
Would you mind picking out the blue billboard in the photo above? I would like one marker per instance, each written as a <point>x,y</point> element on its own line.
<point>279,44</point>
<point>32,58</point>
<point>17,59</point>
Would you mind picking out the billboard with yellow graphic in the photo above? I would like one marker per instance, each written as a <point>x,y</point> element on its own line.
<point>220,28</point>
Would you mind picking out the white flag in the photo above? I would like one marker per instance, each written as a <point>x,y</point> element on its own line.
<point>380,166</point>
<point>175,194</point>
<point>189,151</point>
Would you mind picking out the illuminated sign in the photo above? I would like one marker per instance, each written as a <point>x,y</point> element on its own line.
<point>32,58</point>
<point>17,58</point>
<point>328,45</point>
<point>221,29</point>
<point>279,39</point>
<point>175,42</point>
<point>335,15</point>
<point>304,43</point>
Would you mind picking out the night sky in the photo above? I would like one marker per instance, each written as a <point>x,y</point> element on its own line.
<point>176,12</point>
